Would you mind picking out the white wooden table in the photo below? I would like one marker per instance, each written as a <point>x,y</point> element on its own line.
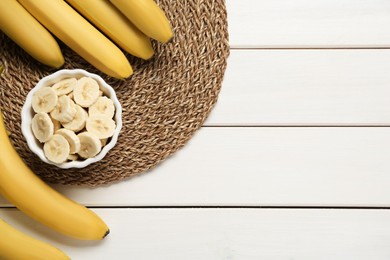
<point>293,163</point>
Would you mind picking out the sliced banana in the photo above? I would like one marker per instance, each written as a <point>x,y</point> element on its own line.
<point>86,92</point>
<point>56,149</point>
<point>71,137</point>
<point>90,145</point>
<point>65,110</point>
<point>64,86</point>
<point>56,123</point>
<point>103,141</point>
<point>44,100</point>
<point>101,126</point>
<point>103,106</point>
<point>70,95</point>
<point>42,127</point>
<point>72,157</point>
<point>78,122</point>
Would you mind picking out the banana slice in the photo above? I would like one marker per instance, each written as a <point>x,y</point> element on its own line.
<point>101,126</point>
<point>103,106</point>
<point>44,100</point>
<point>57,124</point>
<point>65,110</point>
<point>64,86</point>
<point>103,141</point>
<point>78,122</point>
<point>70,95</point>
<point>56,149</point>
<point>86,92</point>
<point>73,140</point>
<point>72,157</point>
<point>42,127</point>
<point>90,145</point>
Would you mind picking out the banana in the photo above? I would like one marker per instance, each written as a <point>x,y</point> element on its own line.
<point>79,35</point>
<point>100,126</point>
<point>103,141</point>
<point>115,25</point>
<point>64,86</point>
<point>73,157</point>
<point>20,186</point>
<point>44,100</point>
<point>29,34</point>
<point>57,125</point>
<point>86,92</point>
<point>15,245</point>
<point>90,145</point>
<point>73,140</point>
<point>42,127</point>
<point>57,149</point>
<point>147,16</point>
<point>78,122</point>
<point>65,110</point>
<point>103,106</point>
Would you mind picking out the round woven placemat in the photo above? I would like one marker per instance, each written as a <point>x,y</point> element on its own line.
<point>164,102</point>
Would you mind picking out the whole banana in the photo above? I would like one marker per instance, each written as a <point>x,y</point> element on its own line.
<point>31,195</point>
<point>15,245</point>
<point>115,25</point>
<point>147,16</point>
<point>79,35</point>
<point>29,34</point>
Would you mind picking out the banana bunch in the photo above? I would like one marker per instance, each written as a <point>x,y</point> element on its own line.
<point>127,23</point>
<point>20,186</point>
<point>66,108</point>
<point>14,245</point>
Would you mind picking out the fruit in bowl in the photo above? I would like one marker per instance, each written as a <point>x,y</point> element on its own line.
<point>71,118</point>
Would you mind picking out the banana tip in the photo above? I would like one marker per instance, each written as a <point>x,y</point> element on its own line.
<point>106,234</point>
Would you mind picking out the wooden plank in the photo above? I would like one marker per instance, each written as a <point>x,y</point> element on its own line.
<point>261,167</point>
<point>309,24</point>
<point>305,87</point>
<point>227,234</point>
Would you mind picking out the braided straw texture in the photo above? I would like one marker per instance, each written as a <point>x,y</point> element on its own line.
<point>164,102</point>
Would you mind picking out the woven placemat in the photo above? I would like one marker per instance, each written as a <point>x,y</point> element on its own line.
<point>164,102</point>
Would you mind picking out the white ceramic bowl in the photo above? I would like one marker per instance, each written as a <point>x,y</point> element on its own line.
<point>28,113</point>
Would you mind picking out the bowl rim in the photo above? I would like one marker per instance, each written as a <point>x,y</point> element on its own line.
<point>49,80</point>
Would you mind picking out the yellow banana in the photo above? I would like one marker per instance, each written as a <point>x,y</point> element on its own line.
<point>71,28</point>
<point>115,25</point>
<point>15,245</point>
<point>29,34</point>
<point>31,195</point>
<point>147,16</point>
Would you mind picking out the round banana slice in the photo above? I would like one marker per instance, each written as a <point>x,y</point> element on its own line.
<point>103,106</point>
<point>78,122</point>
<point>44,100</point>
<point>56,149</point>
<point>65,110</point>
<point>101,126</point>
<point>90,145</point>
<point>64,86</point>
<point>42,127</point>
<point>86,92</point>
<point>71,137</point>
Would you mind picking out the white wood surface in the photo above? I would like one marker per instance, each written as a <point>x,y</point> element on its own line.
<point>262,167</point>
<point>297,69</point>
<point>305,87</point>
<point>309,23</point>
<point>193,234</point>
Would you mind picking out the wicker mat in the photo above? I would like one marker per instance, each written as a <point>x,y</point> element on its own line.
<point>164,102</point>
